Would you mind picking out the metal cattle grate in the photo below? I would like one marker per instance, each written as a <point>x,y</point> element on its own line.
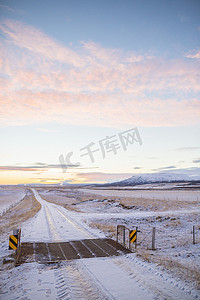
<point>54,252</point>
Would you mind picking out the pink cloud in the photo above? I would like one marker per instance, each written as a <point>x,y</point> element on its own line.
<point>102,110</point>
<point>12,168</point>
<point>35,41</point>
<point>194,54</point>
<point>46,81</point>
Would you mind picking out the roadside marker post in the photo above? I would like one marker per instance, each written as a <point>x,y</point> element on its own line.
<point>14,240</point>
<point>133,237</point>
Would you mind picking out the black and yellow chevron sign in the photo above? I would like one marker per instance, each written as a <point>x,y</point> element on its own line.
<point>13,241</point>
<point>133,236</point>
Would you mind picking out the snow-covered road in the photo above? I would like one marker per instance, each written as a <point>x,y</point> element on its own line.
<point>53,223</point>
<point>121,277</point>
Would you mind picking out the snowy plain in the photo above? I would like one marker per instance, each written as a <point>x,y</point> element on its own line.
<point>124,277</point>
<point>173,219</point>
<point>171,195</point>
<point>9,197</point>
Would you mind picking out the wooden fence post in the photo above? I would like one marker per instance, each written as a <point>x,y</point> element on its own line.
<point>154,238</point>
<point>193,232</point>
<point>136,237</point>
<point>124,241</point>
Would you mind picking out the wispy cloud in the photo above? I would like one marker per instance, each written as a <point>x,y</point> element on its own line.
<point>48,179</point>
<point>43,79</point>
<point>16,168</point>
<point>35,41</point>
<point>194,171</point>
<point>36,167</point>
<point>193,54</point>
<point>166,168</point>
<point>187,148</point>
<point>2,6</point>
<point>196,161</point>
<point>44,167</point>
<point>15,11</point>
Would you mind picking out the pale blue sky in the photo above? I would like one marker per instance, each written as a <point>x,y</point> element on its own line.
<point>74,72</point>
<point>169,26</point>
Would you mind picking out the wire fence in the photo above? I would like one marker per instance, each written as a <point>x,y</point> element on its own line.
<point>14,204</point>
<point>153,238</point>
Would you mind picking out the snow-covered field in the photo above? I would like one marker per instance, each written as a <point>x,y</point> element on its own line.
<point>124,277</point>
<point>173,195</point>
<point>9,196</point>
<point>174,220</point>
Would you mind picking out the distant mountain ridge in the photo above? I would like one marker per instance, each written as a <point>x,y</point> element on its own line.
<point>156,178</point>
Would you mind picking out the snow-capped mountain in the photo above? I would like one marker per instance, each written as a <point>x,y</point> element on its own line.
<point>156,178</point>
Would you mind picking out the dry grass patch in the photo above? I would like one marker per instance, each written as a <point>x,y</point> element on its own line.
<point>156,204</point>
<point>15,216</point>
<point>182,270</point>
<point>74,199</point>
<point>64,197</point>
<point>144,203</point>
<point>109,230</point>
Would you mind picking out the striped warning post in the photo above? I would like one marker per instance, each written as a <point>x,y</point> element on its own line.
<point>13,241</point>
<point>133,236</point>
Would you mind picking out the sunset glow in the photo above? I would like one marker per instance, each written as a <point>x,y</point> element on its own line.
<point>81,73</point>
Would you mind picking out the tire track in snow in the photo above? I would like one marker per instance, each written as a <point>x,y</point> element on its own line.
<point>163,285</point>
<point>160,286</point>
<point>73,282</point>
<point>71,288</point>
<point>82,277</point>
<point>76,225</point>
<point>54,232</point>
